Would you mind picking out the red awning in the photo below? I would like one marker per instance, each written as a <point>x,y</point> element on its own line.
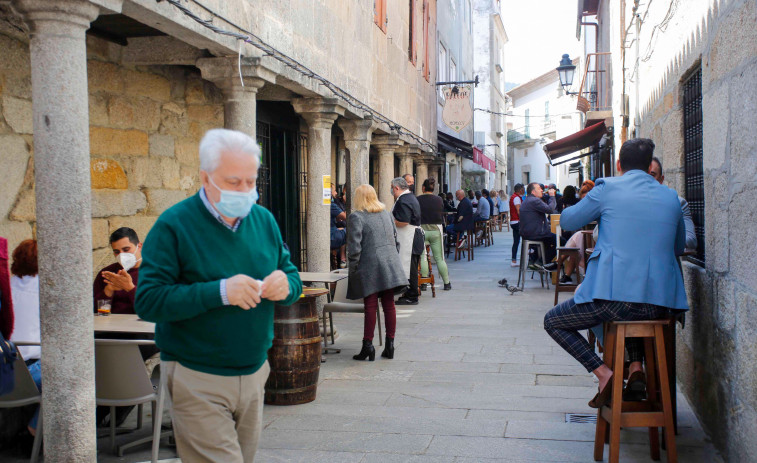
<point>578,141</point>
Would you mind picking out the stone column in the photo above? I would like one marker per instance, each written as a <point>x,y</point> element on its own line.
<point>357,139</point>
<point>320,114</point>
<point>240,105</point>
<point>407,156</point>
<point>58,58</point>
<point>421,173</point>
<point>386,145</point>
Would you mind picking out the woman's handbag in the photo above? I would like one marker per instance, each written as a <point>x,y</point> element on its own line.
<point>8,356</point>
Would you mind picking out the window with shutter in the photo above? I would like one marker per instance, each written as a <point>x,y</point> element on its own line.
<point>379,14</point>
<point>426,41</point>
<point>412,49</point>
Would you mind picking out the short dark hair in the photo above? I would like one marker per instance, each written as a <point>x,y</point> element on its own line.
<point>485,192</point>
<point>124,232</point>
<point>429,184</point>
<point>518,187</point>
<point>532,186</point>
<point>657,160</point>
<point>636,153</point>
<point>478,193</point>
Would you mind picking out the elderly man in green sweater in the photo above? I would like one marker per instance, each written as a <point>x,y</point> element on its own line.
<point>213,266</point>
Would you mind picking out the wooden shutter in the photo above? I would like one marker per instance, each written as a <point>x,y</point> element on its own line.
<point>413,45</point>
<point>379,14</point>
<point>426,40</point>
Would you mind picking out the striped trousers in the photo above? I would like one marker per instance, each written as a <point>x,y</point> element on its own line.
<point>565,320</point>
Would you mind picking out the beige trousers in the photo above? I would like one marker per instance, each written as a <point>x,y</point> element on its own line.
<point>216,418</point>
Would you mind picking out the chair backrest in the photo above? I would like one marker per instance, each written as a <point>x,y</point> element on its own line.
<point>120,373</point>
<point>340,293</point>
<point>25,391</point>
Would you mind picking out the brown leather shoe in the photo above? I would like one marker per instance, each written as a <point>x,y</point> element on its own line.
<point>603,396</point>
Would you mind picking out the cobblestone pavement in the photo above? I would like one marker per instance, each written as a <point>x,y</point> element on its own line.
<point>475,379</point>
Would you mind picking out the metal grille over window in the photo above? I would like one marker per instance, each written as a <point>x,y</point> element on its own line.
<point>263,133</point>
<point>303,173</point>
<point>693,152</point>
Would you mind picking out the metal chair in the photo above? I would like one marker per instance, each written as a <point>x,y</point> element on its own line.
<point>25,392</point>
<point>340,304</point>
<point>121,380</point>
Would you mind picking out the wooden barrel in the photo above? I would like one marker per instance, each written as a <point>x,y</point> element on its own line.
<point>295,356</point>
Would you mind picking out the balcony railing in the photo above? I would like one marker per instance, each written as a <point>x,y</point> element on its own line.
<point>595,93</point>
<point>521,134</point>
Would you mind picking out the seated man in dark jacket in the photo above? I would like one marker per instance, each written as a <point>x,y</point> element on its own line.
<point>463,217</point>
<point>534,224</point>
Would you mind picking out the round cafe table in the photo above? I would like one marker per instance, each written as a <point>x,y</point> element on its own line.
<point>295,356</point>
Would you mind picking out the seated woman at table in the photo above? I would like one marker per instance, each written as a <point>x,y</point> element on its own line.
<point>374,266</point>
<point>25,294</point>
<point>576,241</point>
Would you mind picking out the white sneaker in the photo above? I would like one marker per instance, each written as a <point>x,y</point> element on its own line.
<point>479,234</point>
<point>514,264</point>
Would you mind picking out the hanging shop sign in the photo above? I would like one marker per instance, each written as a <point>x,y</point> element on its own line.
<point>457,112</point>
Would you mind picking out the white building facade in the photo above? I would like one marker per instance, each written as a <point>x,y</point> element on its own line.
<point>489,39</point>
<point>541,113</point>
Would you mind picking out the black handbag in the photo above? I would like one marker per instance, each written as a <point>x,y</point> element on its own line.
<point>8,356</point>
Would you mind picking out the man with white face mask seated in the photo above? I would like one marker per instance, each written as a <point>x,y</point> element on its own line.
<point>118,282</point>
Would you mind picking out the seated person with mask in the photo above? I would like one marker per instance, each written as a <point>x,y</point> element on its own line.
<point>118,281</point>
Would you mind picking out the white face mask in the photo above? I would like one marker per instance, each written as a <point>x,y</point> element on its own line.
<point>128,260</point>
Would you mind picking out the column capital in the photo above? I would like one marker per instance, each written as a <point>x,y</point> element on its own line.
<point>53,13</point>
<point>225,72</point>
<point>410,150</point>
<point>320,113</point>
<point>387,142</point>
<point>357,129</point>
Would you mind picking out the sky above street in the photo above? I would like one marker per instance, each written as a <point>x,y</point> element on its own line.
<point>539,32</point>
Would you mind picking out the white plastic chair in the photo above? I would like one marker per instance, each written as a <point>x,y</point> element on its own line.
<point>25,392</point>
<point>121,380</point>
<point>340,304</point>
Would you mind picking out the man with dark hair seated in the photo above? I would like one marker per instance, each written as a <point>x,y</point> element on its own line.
<point>534,224</point>
<point>633,272</point>
<point>118,281</point>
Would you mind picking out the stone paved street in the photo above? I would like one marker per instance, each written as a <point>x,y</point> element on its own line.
<point>474,379</point>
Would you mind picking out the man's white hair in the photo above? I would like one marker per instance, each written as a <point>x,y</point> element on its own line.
<point>217,141</point>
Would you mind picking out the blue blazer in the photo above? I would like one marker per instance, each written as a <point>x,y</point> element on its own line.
<point>641,231</point>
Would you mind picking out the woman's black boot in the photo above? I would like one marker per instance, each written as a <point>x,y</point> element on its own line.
<point>388,348</point>
<point>368,351</point>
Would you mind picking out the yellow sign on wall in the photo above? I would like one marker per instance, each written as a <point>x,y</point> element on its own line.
<point>327,190</point>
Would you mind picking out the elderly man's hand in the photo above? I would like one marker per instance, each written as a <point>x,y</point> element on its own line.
<point>243,291</point>
<point>276,286</point>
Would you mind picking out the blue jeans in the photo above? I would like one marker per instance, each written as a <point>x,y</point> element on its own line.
<point>36,372</point>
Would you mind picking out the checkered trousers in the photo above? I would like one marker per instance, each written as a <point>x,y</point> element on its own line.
<point>565,320</point>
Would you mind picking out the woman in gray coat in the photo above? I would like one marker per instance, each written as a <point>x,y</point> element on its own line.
<point>374,266</point>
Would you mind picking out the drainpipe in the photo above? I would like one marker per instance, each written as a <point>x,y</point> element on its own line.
<point>637,115</point>
<point>596,34</point>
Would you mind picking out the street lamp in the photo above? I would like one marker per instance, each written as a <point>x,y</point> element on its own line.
<point>565,70</point>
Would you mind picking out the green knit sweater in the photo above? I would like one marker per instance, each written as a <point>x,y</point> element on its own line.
<point>184,258</point>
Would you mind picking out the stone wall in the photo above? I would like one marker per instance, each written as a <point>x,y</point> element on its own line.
<point>145,126</point>
<point>717,353</point>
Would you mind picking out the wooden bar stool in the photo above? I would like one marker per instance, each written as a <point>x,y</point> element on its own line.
<point>573,253</point>
<point>504,220</point>
<point>490,230</point>
<point>653,413</point>
<point>430,278</point>
<point>469,238</point>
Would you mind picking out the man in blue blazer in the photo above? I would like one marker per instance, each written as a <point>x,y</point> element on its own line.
<point>633,273</point>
